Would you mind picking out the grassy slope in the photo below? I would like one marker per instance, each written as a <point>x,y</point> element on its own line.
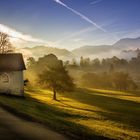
<point>86,113</point>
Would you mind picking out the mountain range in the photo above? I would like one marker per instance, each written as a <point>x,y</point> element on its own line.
<point>124,48</point>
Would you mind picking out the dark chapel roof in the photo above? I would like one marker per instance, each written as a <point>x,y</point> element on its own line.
<point>12,62</point>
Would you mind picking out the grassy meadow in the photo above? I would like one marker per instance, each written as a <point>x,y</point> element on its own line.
<point>84,113</point>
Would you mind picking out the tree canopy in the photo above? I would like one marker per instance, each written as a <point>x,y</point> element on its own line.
<point>52,74</point>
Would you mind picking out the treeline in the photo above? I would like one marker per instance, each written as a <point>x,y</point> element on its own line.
<point>116,80</point>
<point>107,64</point>
<point>109,73</point>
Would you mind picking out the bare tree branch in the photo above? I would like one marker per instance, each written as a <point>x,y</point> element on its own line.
<point>5,45</point>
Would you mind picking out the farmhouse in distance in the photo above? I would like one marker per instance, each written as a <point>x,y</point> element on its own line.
<point>11,73</point>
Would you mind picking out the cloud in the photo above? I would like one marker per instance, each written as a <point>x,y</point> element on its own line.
<point>81,15</point>
<point>16,36</point>
<point>77,40</point>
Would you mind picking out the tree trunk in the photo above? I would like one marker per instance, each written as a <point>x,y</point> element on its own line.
<point>54,94</point>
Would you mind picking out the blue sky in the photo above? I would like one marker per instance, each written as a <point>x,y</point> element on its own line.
<point>72,23</point>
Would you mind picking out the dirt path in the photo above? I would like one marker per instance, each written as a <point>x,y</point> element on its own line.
<point>14,128</point>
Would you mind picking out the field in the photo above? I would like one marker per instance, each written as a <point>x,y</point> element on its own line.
<point>83,114</point>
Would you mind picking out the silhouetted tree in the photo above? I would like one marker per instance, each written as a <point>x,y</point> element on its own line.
<point>96,63</point>
<point>5,45</point>
<point>87,62</point>
<point>111,69</point>
<point>122,81</point>
<point>67,63</point>
<point>81,61</point>
<point>30,62</point>
<point>74,62</point>
<point>57,78</point>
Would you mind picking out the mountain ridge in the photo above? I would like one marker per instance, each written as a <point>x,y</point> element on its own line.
<point>119,48</point>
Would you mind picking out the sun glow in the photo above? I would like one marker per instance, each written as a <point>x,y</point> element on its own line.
<point>16,36</point>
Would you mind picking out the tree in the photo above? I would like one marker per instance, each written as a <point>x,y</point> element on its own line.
<point>5,45</point>
<point>122,81</point>
<point>87,62</point>
<point>111,68</point>
<point>57,78</point>
<point>67,63</point>
<point>81,61</point>
<point>84,62</point>
<point>96,63</point>
<point>74,62</point>
<point>94,80</point>
<point>30,62</point>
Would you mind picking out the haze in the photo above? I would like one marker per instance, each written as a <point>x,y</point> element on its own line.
<point>69,24</point>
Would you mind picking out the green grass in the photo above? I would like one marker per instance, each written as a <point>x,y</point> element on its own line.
<point>85,113</point>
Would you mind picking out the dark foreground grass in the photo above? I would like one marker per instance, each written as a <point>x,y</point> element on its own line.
<point>56,119</point>
<point>83,114</point>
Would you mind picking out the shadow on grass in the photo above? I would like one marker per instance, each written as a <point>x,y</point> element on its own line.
<point>119,110</point>
<point>81,109</point>
<point>52,117</point>
<point>122,111</point>
<point>12,96</point>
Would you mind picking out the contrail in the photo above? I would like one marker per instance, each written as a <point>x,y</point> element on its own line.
<point>96,1</point>
<point>80,15</point>
<point>89,29</point>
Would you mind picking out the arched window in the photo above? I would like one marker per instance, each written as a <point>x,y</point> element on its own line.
<point>4,78</point>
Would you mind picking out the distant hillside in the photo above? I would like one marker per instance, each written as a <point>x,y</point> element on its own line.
<point>91,50</point>
<point>40,51</point>
<point>128,43</point>
<point>124,48</point>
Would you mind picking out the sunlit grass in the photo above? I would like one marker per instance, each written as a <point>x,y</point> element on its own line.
<point>95,121</point>
<point>112,114</point>
<point>132,95</point>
